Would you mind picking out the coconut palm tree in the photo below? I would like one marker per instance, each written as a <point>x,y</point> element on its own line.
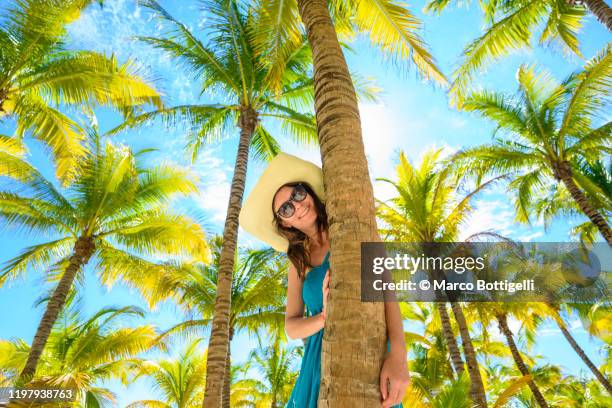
<point>556,313</point>
<point>253,90</point>
<point>427,209</point>
<point>550,130</point>
<point>511,26</point>
<point>393,29</point>
<point>181,380</point>
<point>116,214</point>
<point>83,352</point>
<point>39,75</point>
<point>257,297</point>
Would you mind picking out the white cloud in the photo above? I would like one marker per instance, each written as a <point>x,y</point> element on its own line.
<point>492,215</point>
<point>214,188</point>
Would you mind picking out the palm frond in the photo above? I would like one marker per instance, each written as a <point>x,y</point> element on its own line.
<point>30,215</point>
<point>63,136</point>
<point>510,33</point>
<point>280,36</point>
<point>301,126</point>
<point>563,25</point>
<point>590,91</point>
<point>164,234</point>
<point>394,29</point>
<point>263,145</point>
<point>38,257</point>
<point>81,77</point>
<point>497,107</point>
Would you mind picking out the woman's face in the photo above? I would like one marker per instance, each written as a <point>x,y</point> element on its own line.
<point>305,214</point>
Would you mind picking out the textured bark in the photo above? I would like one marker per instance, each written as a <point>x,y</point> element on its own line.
<point>451,341</point>
<point>563,173</point>
<point>477,387</point>
<point>227,389</point>
<point>218,344</point>
<point>502,321</point>
<point>602,379</point>
<point>83,249</point>
<point>354,340</point>
<point>601,10</point>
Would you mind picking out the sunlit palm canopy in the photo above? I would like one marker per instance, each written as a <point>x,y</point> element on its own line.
<point>276,366</point>
<point>546,122</point>
<point>117,201</point>
<point>512,25</point>
<point>39,76</point>
<point>391,27</point>
<point>180,380</point>
<point>84,351</point>
<point>234,67</point>
<point>426,207</point>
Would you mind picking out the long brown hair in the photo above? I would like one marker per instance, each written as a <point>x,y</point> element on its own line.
<point>299,243</point>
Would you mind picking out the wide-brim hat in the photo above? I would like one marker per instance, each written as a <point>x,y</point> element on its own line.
<point>256,216</point>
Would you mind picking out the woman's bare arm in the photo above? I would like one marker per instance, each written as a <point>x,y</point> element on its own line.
<point>297,326</point>
<point>395,328</point>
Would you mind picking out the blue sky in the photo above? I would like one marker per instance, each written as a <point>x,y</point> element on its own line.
<point>411,116</point>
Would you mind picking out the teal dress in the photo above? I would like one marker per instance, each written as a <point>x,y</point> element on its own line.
<point>306,390</point>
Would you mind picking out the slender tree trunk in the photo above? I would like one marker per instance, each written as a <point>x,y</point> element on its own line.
<point>227,381</point>
<point>354,340</point>
<point>477,387</point>
<point>563,172</point>
<point>449,337</point>
<point>602,379</point>
<point>502,320</point>
<point>219,338</point>
<point>83,249</point>
<point>601,10</point>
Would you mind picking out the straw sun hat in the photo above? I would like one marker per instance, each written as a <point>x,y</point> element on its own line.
<point>256,216</point>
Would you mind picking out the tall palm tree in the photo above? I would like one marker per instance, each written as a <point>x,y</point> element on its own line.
<point>550,130</point>
<point>82,353</point>
<point>525,314</point>
<point>257,297</point>
<point>181,380</point>
<point>427,209</point>
<point>511,26</point>
<point>115,213</point>
<point>38,75</point>
<point>393,29</point>
<point>257,82</point>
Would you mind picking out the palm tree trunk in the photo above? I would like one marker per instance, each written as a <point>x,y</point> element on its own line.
<point>82,252</point>
<point>563,172</point>
<point>355,332</point>
<point>477,387</point>
<point>449,337</point>
<point>601,10</point>
<point>218,344</point>
<point>227,388</point>
<point>502,320</point>
<point>603,380</point>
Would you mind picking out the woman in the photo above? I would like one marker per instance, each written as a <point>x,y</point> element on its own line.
<point>286,210</point>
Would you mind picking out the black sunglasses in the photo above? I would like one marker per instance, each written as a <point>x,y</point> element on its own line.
<point>287,209</point>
